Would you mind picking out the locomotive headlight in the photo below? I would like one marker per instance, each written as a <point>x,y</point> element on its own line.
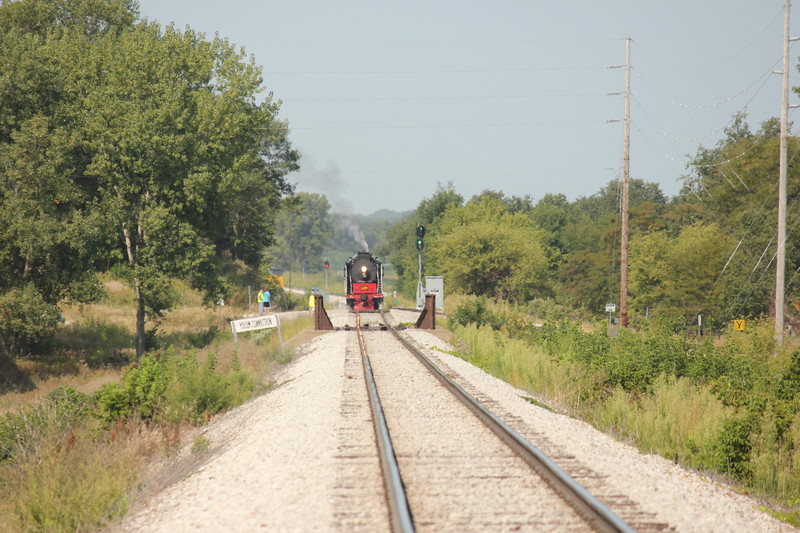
<point>363,271</point>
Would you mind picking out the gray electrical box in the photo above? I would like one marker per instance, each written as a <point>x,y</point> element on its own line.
<point>435,285</point>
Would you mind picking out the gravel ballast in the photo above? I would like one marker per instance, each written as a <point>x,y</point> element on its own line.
<point>297,458</point>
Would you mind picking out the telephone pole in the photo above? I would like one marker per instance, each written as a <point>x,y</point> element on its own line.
<point>626,171</point>
<point>780,271</point>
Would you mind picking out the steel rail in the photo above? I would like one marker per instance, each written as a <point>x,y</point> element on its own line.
<point>590,508</point>
<point>399,510</point>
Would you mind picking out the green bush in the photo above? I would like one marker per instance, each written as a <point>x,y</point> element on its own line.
<point>175,388</point>
<point>734,448</point>
<point>22,432</point>
<point>26,320</point>
<point>198,390</point>
<point>286,301</point>
<point>476,310</point>
<point>141,392</point>
<point>549,309</point>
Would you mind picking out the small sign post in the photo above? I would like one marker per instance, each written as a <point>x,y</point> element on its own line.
<point>256,323</point>
<point>610,309</point>
<point>738,325</point>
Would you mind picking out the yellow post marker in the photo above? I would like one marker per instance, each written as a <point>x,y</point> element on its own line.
<point>738,325</point>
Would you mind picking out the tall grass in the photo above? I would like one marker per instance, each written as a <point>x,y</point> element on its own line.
<point>728,406</point>
<point>523,366</point>
<point>80,482</point>
<point>678,420</point>
<point>59,471</point>
<point>73,461</point>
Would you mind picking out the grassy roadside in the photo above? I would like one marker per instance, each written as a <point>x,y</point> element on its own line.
<point>81,427</point>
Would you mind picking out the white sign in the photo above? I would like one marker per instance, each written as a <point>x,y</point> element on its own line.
<point>252,324</point>
<point>610,308</point>
<point>435,285</point>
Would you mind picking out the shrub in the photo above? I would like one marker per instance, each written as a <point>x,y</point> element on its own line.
<point>549,309</point>
<point>198,390</point>
<point>475,310</point>
<point>173,388</point>
<point>734,448</point>
<point>286,301</point>
<point>24,431</point>
<point>141,392</point>
<point>26,320</point>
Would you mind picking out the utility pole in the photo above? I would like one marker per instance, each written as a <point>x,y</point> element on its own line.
<point>626,171</point>
<point>780,271</point>
<point>626,174</point>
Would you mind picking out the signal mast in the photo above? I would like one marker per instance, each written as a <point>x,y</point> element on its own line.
<point>420,246</point>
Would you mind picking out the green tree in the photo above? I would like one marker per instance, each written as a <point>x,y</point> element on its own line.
<point>588,233</point>
<point>173,127</point>
<point>399,246</point>
<point>483,249</point>
<point>304,227</point>
<point>682,276</point>
<point>130,144</point>
<point>49,237</point>
<point>734,185</point>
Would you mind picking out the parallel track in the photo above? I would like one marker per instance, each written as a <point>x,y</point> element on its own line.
<point>597,515</point>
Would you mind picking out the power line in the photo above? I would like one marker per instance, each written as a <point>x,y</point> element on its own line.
<point>307,44</point>
<point>720,102</point>
<point>432,71</point>
<point>425,98</point>
<point>445,126</point>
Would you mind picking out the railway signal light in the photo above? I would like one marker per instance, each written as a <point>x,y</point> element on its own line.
<point>327,265</point>
<point>420,236</point>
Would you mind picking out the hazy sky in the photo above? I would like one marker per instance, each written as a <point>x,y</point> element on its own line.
<point>384,100</point>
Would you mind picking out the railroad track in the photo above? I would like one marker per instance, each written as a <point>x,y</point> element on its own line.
<point>439,484</point>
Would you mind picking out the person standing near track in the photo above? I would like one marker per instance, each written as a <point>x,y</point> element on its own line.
<point>260,300</point>
<point>266,301</point>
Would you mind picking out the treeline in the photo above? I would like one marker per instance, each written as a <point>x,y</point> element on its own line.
<point>308,233</point>
<point>130,148</point>
<point>707,251</point>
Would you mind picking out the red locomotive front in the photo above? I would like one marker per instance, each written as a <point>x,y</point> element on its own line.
<point>363,274</point>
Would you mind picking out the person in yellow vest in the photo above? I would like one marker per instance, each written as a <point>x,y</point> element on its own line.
<point>311,303</point>
<point>260,300</point>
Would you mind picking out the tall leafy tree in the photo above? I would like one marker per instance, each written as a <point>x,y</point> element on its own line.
<point>681,276</point>
<point>483,249</point>
<point>304,227</point>
<point>136,145</point>
<point>399,246</point>
<point>590,239</point>
<point>735,186</point>
<point>173,126</point>
<point>49,238</point>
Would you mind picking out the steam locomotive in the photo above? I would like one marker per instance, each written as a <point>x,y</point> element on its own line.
<point>363,282</point>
